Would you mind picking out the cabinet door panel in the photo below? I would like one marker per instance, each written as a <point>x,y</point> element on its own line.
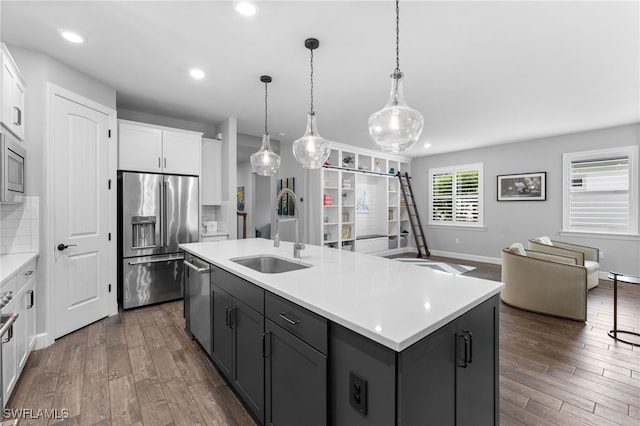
<point>222,341</point>
<point>475,407</point>
<point>181,152</point>
<point>139,148</point>
<point>249,363</point>
<point>296,381</point>
<point>427,377</point>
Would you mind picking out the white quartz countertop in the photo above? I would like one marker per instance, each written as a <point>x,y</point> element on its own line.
<point>12,263</point>
<point>393,303</point>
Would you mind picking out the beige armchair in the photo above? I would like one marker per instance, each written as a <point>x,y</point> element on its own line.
<point>589,257</point>
<point>544,283</point>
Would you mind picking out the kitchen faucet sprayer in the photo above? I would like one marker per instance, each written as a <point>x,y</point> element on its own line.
<point>297,246</point>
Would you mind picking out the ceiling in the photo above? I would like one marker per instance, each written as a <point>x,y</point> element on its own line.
<point>481,73</point>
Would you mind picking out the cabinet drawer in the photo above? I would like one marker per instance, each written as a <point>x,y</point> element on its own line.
<point>301,322</point>
<point>248,293</point>
<point>26,273</point>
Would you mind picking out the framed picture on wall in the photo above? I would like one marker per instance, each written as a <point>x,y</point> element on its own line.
<point>523,187</point>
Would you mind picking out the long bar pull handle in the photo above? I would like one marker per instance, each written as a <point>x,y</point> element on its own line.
<point>159,164</point>
<point>266,344</point>
<point>470,359</point>
<point>31,299</point>
<point>165,162</point>
<point>18,122</point>
<point>284,316</point>
<point>164,222</point>
<point>463,362</point>
<point>196,268</point>
<point>227,320</point>
<point>233,317</point>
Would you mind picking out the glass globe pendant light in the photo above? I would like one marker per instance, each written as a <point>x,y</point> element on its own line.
<point>265,162</point>
<point>311,150</point>
<point>396,127</point>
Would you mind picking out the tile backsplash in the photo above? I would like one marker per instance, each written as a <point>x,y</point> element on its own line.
<point>20,226</point>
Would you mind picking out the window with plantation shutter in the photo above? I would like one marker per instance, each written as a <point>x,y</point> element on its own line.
<point>455,195</point>
<point>600,191</point>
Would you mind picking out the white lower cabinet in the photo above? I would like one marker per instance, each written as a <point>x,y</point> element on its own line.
<point>20,340</point>
<point>9,361</point>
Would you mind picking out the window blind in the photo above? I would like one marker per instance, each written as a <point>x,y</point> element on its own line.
<point>455,197</point>
<point>599,193</point>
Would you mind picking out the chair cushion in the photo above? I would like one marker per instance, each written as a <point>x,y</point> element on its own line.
<point>517,248</point>
<point>591,265</point>
<point>543,240</point>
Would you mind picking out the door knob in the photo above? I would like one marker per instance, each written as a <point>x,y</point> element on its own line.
<point>62,247</point>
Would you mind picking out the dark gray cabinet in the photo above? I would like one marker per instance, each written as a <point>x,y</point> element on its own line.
<point>222,341</point>
<point>296,372</point>
<point>238,331</point>
<point>296,380</point>
<point>448,378</point>
<point>291,366</point>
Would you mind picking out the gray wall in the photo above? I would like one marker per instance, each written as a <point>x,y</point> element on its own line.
<point>508,222</point>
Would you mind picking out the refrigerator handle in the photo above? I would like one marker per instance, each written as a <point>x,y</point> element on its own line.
<point>164,214</point>
<point>161,214</point>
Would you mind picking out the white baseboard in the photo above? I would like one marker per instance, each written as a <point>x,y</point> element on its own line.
<point>464,256</point>
<point>41,341</point>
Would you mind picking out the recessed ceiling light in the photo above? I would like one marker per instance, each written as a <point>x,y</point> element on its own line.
<point>245,7</point>
<point>72,36</point>
<point>196,73</point>
<point>282,134</point>
<point>427,145</point>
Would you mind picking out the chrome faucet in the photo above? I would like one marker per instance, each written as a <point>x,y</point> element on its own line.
<point>297,246</point>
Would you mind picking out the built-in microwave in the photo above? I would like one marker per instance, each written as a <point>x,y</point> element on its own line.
<point>12,158</point>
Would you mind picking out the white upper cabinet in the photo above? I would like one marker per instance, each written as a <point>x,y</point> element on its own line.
<point>12,98</point>
<point>148,148</point>
<point>211,181</point>
<point>181,151</point>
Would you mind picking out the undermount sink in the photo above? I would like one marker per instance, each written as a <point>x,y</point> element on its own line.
<point>268,264</point>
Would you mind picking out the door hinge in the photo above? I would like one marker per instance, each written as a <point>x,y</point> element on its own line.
<point>109,236</point>
<point>109,183</point>
<point>109,288</point>
<point>109,133</point>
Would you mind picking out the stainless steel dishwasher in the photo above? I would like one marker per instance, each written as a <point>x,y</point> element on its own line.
<point>197,300</point>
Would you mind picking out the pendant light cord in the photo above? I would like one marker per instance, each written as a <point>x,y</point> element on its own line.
<point>266,131</point>
<point>311,81</point>
<point>397,70</point>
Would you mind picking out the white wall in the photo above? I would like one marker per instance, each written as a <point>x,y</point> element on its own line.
<point>508,222</point>
<point>226,213</point>
<point>38,69</point>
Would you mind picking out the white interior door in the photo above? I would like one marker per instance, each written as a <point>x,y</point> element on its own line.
<point>81,215</point>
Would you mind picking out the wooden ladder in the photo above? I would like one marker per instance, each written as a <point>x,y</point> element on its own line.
<point>414,218</point>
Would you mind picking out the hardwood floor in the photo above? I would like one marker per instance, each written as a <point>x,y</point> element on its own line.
<point>136,368</point>
<point>140,368</point>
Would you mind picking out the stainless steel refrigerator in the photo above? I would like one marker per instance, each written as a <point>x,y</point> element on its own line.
<point>156,213</point>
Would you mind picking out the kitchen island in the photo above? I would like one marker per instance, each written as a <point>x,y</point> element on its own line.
<point>392,343</point>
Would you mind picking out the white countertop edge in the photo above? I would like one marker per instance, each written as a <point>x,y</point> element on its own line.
<point>397,346</point>
<point>10,264</point>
